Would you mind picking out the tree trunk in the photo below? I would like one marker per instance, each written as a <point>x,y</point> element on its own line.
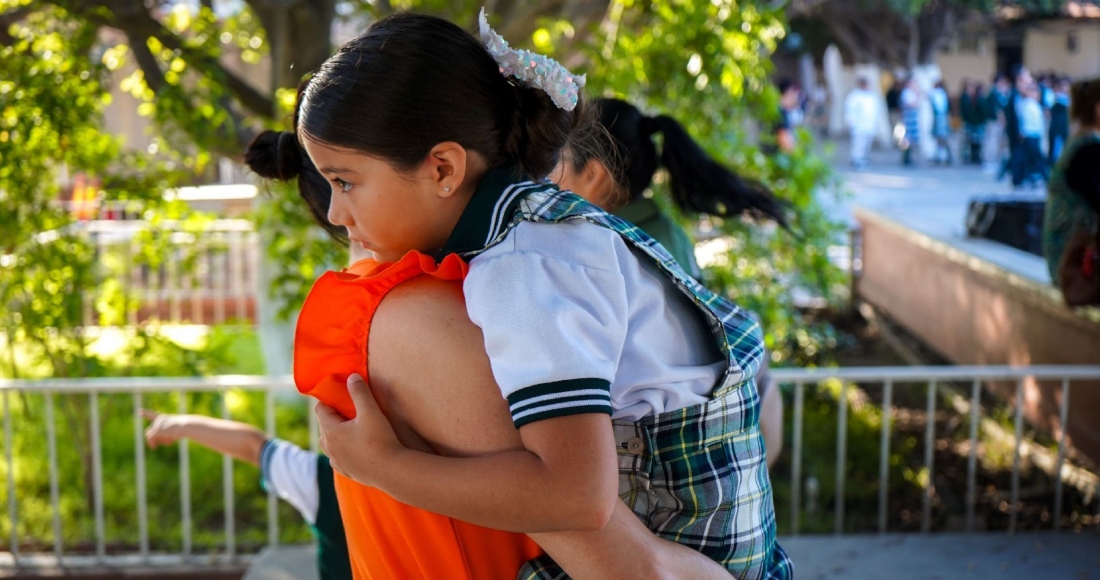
<point>934,26</point>
<point>298,35</point>
<point>885,36</point>
<point>914,45</point>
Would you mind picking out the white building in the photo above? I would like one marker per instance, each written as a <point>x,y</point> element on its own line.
<point>1066,46</point>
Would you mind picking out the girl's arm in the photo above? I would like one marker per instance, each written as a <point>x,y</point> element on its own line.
<point>564,478</point>
<point>421,338</point>
<point>240,440</point>
<point>563,475</point>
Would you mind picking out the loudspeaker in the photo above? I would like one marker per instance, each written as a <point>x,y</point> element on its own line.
<point>1015,221</point>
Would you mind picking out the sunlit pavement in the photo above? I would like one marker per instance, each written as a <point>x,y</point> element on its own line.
<point>1024,556</point>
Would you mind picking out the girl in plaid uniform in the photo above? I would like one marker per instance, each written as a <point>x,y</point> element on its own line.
<point>622,374</point>
<point>698,184</point>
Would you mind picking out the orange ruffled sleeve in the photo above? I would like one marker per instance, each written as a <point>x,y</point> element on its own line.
<point>388,539</point>
<point>330,342</point>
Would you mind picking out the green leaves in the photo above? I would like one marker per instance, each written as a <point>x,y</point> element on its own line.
<point>705,63</point>
<point>55,152</point>
<point>295,245</point>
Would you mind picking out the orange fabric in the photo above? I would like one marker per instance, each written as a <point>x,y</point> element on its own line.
<point>388,539</point>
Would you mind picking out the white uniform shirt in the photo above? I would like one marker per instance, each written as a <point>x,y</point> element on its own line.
<point>861,112</point>
<point>290,472</point>
<point>576,321</point>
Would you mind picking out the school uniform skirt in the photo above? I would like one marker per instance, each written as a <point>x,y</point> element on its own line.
<point>697,476</point>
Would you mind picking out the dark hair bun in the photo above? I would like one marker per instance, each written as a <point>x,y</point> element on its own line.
<point>539,130</point>
<point>274,155</point>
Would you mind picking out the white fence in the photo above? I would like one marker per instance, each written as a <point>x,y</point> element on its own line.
<point>207,277</point>
<point>138,388</point>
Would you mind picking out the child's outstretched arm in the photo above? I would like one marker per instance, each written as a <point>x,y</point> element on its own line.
<point>287,470</point>
<point>565,477</point>
<point>240,440</point>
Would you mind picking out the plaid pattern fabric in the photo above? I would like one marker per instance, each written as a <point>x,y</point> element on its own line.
<point>738,334</point>
<point>696,480</point>
<point>695,476</point>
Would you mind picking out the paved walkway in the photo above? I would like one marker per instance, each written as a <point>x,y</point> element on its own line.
<point>1047,556</point>
<point>284,563</point>
<point>932,200</point>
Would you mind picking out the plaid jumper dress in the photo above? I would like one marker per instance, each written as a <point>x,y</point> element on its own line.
<point>695,476</point>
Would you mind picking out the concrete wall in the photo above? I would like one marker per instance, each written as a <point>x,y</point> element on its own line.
<point>972,312</point>
<point>958,67</point>
<point>1045,48</point>
<point>962,60</point>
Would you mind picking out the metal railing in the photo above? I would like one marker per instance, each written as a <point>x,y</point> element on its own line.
<point>930,378</point>
<point>138,388</point>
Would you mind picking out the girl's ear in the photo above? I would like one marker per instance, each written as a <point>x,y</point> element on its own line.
<point>445,168</point>
<point>596,179</point>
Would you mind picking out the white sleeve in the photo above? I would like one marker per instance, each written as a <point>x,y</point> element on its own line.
<point>291,473</point>
<point>551,304</point>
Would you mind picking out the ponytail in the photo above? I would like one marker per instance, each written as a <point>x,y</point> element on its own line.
<point>700,184</point>
<point>274,155</point>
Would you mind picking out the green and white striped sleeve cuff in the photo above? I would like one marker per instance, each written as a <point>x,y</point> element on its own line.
<point>560,399</point>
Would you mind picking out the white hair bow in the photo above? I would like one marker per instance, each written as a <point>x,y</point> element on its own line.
<point>534,70</point>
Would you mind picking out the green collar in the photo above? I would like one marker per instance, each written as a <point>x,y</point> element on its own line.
<point>639,211</point>
<point>488,211</point>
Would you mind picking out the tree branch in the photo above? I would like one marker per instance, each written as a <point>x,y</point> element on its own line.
<point>384,8</point>
<point>878,36</point>
<point>881,39</point>
<point>256,102</point>
<point>147,62</point>
<point>521,20</point>
<point>841,30</point>
<point>934,25</point>
<point>798,8</point>
<point>235,134</point>
<point>131,17</point>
